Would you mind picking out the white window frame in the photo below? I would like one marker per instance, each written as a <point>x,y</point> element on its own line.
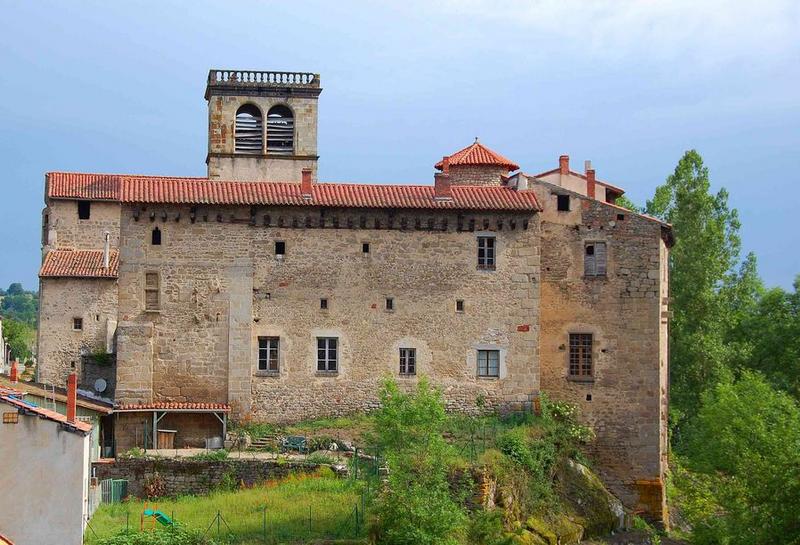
<point>327,354</point>
<point>268,354</point>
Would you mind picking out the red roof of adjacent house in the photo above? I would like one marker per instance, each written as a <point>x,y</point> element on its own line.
<point>68,263</point>
<point>45,413</point>
<point>173,406</point>
<point>478,154</point>
<point>159,189</point>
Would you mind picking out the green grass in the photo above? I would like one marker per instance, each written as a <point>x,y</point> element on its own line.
<point>353,422</point>
<point>298,509</point>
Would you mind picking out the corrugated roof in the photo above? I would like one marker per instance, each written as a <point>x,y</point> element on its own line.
<point>173,405</point>
<point>159,189</point>
<point>478,154</point>
<point>68,263</point>
<point>46,413</point>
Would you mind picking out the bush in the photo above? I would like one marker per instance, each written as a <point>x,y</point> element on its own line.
<point>168,536</point>
<point>211,456</point>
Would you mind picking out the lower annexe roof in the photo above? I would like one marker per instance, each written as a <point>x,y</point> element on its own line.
<point>166,190</point>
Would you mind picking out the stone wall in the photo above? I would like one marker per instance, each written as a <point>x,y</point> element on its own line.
<point>625,401</point>
<point>67,231</point>
<point>477,174</point>
<point>59,345</point>
<point>185,476</point>
<point>220,280</point>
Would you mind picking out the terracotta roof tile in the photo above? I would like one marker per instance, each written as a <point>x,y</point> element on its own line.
<point>173,405</point>
<point>478,154</point>
<point>158,189</point>
<point>46,413</point>
<point>68,263</point>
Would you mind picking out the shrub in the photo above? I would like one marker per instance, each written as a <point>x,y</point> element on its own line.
<point>211,456</point>
<point>168,536</point>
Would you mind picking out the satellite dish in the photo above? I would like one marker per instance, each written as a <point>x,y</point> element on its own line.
<point>100,385</point>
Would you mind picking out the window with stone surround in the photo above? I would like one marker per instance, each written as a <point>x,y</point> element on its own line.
<point>84,210</point>
<point>459,305</point>
<point>489,363</point>
<point>280,131</point>
<point>486,252</point>
<point>151,292</point>
<point>580,356</point>
<point>77,324</point>
<point>327,354</point>
<point>268,351</point>
<point>249,130</point>
<point>594,259</point>
<point>408,361</point>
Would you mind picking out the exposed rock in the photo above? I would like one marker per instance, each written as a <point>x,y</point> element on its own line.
<point>594,507</point>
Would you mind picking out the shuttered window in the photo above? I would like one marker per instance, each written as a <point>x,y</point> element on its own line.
<point>249,133</point>
<point>280,131</point>
<point>594,259</point>
<point>151,291</point>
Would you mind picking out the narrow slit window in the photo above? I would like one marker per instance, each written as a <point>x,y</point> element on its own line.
<point>486,253</point>
<point>389,303</point>
<point>459,305</point>
<point>580,355</point>
<point>151,292</point>
<point>268,352</point>
<point>280,131</point>
<point>594,259</point>
<point>280,248</point>
<point>84,210</point>
<point>365,247</point>
<point>408,361</point>
<point>563,203</point>
<point>155,237</point>
<point>327,354</point>
<point>323,304</point>
<point>488,363</point>
<point>249,131</point>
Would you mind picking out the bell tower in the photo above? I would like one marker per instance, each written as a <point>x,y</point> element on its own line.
<point>262,126</point>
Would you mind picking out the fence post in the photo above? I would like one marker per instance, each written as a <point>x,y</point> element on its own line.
<point>218,521</point>
<point>355,534</point>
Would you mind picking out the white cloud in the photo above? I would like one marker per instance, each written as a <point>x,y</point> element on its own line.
<point>708,31</point>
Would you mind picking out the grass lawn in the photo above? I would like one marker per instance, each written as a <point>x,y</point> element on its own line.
<point>298,508</point>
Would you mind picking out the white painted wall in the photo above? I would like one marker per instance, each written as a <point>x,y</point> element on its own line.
<point>44,482</point>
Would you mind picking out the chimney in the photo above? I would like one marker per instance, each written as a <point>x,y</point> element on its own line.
<point>72,396</point>
<point>446,164</point>
<point>306,183</point>
<point>441,186</point>
<point>14,371</point>
<point>590,182</point>
<point>106,250</point>
<point>563,165</point>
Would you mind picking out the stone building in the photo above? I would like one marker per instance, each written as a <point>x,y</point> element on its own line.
<point>260,291</point>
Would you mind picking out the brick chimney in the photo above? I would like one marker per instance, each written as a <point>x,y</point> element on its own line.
<point>563,165</point>
<point>13,375</point>
<point>590,183</point>
<point>441,181</point>
<point>306,183</point>
<point>72,397</point>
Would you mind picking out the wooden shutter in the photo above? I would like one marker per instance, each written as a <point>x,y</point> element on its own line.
<point>600,258</point>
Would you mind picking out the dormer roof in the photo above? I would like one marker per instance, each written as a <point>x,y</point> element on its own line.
<point>476,154</point>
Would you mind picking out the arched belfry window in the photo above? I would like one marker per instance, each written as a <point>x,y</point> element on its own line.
<point>249,133</point>
<point>280,131</point>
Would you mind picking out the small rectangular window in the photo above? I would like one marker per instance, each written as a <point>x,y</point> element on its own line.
<point>77,324</point>
<point>327,354</point>
<point>408,361</point>
<point>155,237</point>
<point>594,259</point>
<point>563,203</point>
<point>365,247</point>
<point>323,304</point>
<point>151,291</point>
<point>459,305</point>
<point>84,210</point>
<point>580,355</point>
<point>11,417</point>
<point>389,303</point>
<point>268,351</point>
<point>486,253</point>
<point>280,248</point>
<point>488,363</point>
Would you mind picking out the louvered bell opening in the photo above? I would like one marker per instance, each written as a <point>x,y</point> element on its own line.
<point>280,131</point>
<point>249,130</point>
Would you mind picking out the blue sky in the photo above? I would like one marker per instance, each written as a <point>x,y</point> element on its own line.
<point>118,87</point>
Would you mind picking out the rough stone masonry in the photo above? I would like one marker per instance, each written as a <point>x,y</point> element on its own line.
<point>259,292</point>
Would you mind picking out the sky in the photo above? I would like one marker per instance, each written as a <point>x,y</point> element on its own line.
<point>630,85</point>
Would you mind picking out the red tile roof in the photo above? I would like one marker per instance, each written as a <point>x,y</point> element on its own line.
<point>46,413</point>
<point>478,154</point>
<point>67,263</point>
<point>173,406</point>
<point>158,189</point>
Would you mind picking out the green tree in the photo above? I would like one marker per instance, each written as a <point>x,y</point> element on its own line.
<point>416,506</point>
<point>20,337</point>
<point>15,289</point>
<point>625,202</point>
<point>20,305</point>
<point>745,440</point>
<point>702,264</point>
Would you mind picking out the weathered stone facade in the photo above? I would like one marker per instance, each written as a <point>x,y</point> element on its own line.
<point>190,309</point>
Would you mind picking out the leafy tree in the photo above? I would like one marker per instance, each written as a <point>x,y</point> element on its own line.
<point>15,289</point>
<point>625,202</point>
<point>416,507</point>
<point>21,337</point>
<point>746,442</point>
<point>702,264</point>
<point>20,305</point>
